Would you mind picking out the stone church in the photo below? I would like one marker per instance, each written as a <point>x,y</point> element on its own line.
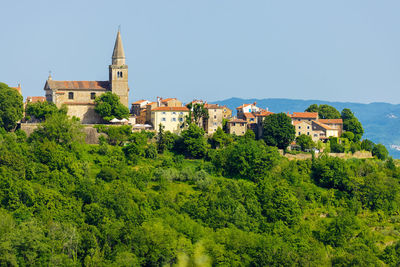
<point>79,95</point>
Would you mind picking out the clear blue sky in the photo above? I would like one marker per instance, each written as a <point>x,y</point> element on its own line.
<point>211,49</point>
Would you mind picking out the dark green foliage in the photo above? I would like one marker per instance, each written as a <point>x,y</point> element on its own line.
<point>278,130</point>
<point>305,142</point>
<point>65,203</point>
<point>380,152</point>
<point>220,139</point>
<point>351,124</point>
<point>367,145</point>
<point>324,111</point>
<point>11,107</point>
<point>116,135</point>
<point>109,107</point>
<point>40,110</point>
<point>336,147</point>
<point>193,143</point>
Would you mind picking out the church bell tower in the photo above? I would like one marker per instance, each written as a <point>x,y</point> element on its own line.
<point>119,72</point>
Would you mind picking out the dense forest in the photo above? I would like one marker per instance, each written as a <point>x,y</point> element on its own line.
<point>146,199</point>
<point>159,199</point>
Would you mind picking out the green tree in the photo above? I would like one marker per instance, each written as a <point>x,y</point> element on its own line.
<point>367,145</point>
<point>60,129</point>
<point>11,107</point>
<point>312,108</point>
<point>324,111</point>
<point>194,144</point>
<point>161,140</point>
<point>380,152</point>
<point>108,106</point>
<point>40,110</point>
<point>278,130</point>
<point>220,139</point>
<point>352,124</point>
<point>305,142</point>
<point>197,112</point>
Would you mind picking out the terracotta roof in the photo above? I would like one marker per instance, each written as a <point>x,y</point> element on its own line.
<point>210,106</point>
<point>237,120</point>
<point>170,109</point>
<point>97,85</point>
<point>168,99</point>
<point>248,115</point>
<point>242,106</point>
<point>139,102</point>
<point>151,103</point>
<point>34,99</point>
<point>308,115</point>
<point>326,127</point>
<point>331,121</point>
<point>263,113</point>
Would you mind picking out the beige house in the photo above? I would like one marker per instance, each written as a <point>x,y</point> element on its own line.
<point>334,124</point>
<point>237,126</point>
<point>304,116</point>
<point>247,108</point>
<point>215,115</point>
<point>324,130</point>
<point>172,118</point>
<point>226,112</point>
<point>79,95</point>
<point>305,127</point>
<point>169,102</point>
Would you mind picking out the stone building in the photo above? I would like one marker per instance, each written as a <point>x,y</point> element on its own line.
<point>215,116</point>
<point>79,95</point>
<point>236,126</point>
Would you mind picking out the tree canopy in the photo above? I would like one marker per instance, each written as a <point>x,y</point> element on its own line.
<point>40,110</point>
<point>11,107</point>
<point>324,111</point>
<point>108,106</point>
<point>278,130</point>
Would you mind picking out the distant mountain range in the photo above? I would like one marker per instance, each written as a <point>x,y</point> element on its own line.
<point>381,121</point>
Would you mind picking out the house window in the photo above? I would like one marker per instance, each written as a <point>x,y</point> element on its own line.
<point>308,127</point>
<point>215,116</point>
<point>92,95</point>
<point>163,119</point>
<point>308,133</point>
<point>174,113</point>
<point>181,113</point>
<point>299,133</point>
<point>173,119</point>
<point>70,95</point>
<point>163,113</point>
<point>215,124</point>
<point>299,127</point>
<point>180,119</point>
<point>234,124</point>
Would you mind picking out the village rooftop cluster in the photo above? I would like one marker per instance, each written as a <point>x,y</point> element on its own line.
<point>79,97</point>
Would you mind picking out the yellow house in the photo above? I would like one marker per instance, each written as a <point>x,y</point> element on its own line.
<point>172,118</point>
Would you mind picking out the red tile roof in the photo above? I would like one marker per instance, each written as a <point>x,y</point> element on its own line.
<point>170,109</point>
<point>263,113</point>
<point>308,115</point>
<point>326,127</point>
<point>248,115</point>
<point>168,99</point>
<point>331,121</point>
<point>139,102</point>
<point>242,106</point>
<point>34,99</point>
<point>212,106</point>
<point>94,85</point>
<point>237,120</point>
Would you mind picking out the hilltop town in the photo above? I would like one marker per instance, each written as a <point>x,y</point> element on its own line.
<point>79,99</point>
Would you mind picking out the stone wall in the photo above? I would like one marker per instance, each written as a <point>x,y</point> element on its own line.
<point>305,156</point>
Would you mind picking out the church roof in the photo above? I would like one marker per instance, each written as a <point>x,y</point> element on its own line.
<point>118,52</point>
<point>96,85</point>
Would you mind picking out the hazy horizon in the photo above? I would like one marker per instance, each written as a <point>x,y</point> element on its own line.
<point>338,51</point>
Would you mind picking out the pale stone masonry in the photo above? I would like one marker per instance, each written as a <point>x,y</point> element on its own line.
<point>237,126</point>
<point>79,95</point>
<point>172,118</point>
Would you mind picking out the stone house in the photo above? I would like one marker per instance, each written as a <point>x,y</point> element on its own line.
<point>79,95</point>
<point>215,116</point>
<point>236,126</point>
<point>226,112</point>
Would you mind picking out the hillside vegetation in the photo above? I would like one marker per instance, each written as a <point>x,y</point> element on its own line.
<point>165,200</point>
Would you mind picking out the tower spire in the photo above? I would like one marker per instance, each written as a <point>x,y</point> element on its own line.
<point>118,57</point>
